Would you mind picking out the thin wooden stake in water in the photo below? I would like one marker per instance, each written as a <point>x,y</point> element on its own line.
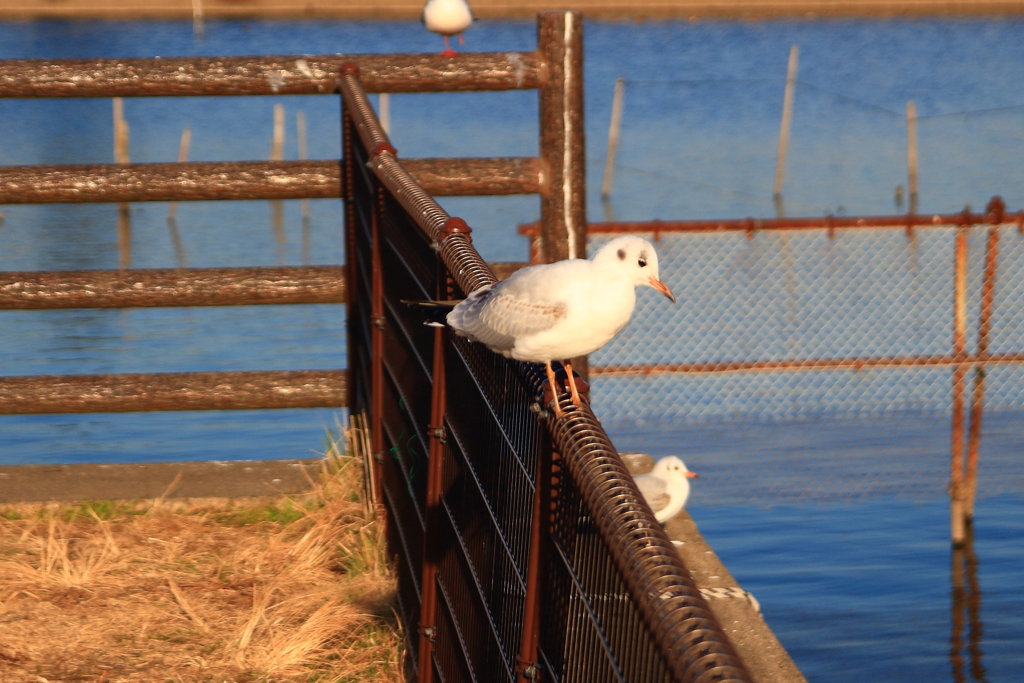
<point>956,483</point>
<point>121,156</point>
<point>277,206</point>
<point>120,133</point>
<point>186,140</point>
<point>198,28</point>
<point>277,142</point>
<point>912,155</point>
<point>613,138</point>
<point>385,112</point>
<point>787,120</point>
<point>300,129</point>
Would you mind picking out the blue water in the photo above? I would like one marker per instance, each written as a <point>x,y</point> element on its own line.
<point>840,528</point>
<point>860,591</point>
<point>835,517</point>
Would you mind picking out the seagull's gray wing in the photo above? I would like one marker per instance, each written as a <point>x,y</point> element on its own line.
<point>496,316</point>
<point>654,490</point>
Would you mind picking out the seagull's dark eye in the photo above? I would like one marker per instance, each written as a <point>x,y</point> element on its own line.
<point>642,262</point>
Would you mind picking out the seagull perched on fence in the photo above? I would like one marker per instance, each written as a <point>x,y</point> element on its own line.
<point>449,18</point>
<point>561,310</point>
<point>666,487</point>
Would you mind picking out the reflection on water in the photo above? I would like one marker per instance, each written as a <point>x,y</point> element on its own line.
<point>180,257</point>
<point>124,236</point>
<point>966,607</point>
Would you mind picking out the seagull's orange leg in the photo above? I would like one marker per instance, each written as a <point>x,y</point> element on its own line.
<point>448,51</point>
<point>576,400</point>
<point>554,389</point>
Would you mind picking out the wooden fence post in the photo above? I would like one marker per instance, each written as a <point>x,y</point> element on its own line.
<point>563,213</point>
<point>562,149</point>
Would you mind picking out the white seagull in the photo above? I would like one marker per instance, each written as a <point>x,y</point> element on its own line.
<point>557,311</point>
<point>666,487</point>
<point>449,18</point>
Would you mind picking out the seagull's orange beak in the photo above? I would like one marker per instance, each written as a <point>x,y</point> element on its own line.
<point>662,287</point>
<point>691,475</point>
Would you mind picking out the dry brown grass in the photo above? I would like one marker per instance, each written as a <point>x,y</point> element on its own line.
<point>285,589</point>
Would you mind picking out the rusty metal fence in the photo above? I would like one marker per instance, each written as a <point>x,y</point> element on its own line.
<point>850,321</point>
<point>522,546</point>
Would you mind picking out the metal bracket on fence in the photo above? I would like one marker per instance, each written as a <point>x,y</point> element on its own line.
<point>378,322</point>
<point>751,225</point>
<point>382,147</point>
<point>438,433</point>
<point>429,632</point>
<point>536,407</point>
<point>529,670</point>
<point>452,226</point>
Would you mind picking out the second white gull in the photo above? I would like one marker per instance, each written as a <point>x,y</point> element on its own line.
<point>449,18</point>
<point>561,310</point>
<point>666,487</point>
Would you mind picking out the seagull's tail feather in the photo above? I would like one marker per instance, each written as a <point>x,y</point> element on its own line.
<point>435,312</point>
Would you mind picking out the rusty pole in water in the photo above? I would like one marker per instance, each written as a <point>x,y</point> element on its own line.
<point>956,493</point>
<point>995,214</point>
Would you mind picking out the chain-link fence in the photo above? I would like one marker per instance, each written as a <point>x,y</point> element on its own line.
<point>820,363</point>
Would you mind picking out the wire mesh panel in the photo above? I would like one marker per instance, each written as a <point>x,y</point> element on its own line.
<point>497,576</point>
<point>604,637</point>
<point>850,327</point>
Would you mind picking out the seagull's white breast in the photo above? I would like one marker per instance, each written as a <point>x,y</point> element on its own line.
<point>597,308</point>
<point>666,495</point>
<point>447,17</point>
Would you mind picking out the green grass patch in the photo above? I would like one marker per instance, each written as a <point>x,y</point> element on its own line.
<point>90,510</point>
<point>277,513</point>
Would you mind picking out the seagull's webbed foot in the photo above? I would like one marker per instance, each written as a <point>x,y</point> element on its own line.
<point>576,400</point>
<point>553,383</point>
<point>448,51</point>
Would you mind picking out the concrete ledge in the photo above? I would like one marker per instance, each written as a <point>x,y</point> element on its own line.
<point>754,641</point>
<point>133,481</point>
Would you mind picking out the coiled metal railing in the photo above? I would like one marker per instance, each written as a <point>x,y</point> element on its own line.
<point>618,602</point>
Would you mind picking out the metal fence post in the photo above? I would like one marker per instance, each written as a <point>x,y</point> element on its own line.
<point>435,476</point>
<point>376,336</point>
<point>351,262</point>
<point>526,665</point>
<point>995,213</point>
<point>956,479</point>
